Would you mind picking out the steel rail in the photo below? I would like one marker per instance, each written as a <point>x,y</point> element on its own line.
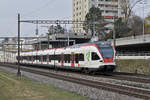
<point>140,78</point>
<point>126,90</point>
<point>127,78</point>
<point>120,76</point>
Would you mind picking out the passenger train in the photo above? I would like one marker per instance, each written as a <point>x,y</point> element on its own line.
<point>88,57</point>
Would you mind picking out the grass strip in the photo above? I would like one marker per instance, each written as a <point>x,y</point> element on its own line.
<point>15,88</point>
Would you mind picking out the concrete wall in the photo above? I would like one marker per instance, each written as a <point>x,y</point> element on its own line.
<point>132,57</point>
<point>132,40</point>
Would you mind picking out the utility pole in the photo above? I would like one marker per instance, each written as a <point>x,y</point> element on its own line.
<point>143,22</point>
<point>114,35</point>
<point>48,40</point>
<point>18,73</point>
<point>67,35</point>
<point>37,35</point>
<point>143,2</point>
<point>4,53</point>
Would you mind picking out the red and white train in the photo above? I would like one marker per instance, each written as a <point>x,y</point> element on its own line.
<point>88,57</point>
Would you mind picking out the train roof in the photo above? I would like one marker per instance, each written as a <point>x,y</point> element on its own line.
<point>97,42</point>
<point>76,45</point>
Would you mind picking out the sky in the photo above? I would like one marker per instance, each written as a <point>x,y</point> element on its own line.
<point>38,9</point>
<point>31,9</point>
<point>138,9</point>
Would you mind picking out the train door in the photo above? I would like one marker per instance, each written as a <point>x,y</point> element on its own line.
<point>87,62</point>
<point>72,59</point>
<point>41,59</point>
<point>95,59</point>
<point>32,59</point>
<point>47,59</point>
<point>62,59</point>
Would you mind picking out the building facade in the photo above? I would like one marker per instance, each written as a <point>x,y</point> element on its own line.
<point>110,9</point>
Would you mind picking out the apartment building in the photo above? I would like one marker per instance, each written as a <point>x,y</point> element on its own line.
<point>110,9</point>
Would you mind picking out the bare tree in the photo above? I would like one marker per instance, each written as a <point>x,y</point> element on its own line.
<point>136,25</point>
<point>127,7</point>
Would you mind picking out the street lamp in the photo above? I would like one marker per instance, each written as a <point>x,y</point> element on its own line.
<point>143,3</point>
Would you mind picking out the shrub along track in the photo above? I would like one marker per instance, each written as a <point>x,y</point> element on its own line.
<point>125,90</point>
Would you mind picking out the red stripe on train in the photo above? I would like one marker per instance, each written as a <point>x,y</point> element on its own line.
<point>108,60</point>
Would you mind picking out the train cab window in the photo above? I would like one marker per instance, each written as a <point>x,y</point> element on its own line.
<point>95,56</point>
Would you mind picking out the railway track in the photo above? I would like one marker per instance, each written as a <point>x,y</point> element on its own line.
<point>119,76</point>
<point>121,89</point>
<point>127,78</point>
<point>133,77</point>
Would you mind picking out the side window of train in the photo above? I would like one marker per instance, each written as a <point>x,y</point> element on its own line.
<point>81,57</point>
<point>26,57</point>
<point>66,58</point>
<point>58,58</point>
<point>17,57</point>
<point>29,58</point>
<point>38,57</point>
<point>41,58</point>
<point>50,58</point>
<point>45,58</point>
<point>95,56</point>
<point>77,58</point>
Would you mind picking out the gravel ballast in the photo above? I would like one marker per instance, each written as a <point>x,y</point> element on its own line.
<point>89,92</point>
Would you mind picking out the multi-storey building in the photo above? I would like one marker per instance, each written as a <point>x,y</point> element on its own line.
<point>110,9</point>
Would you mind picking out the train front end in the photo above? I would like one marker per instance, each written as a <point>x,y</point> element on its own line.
<point>107,55</point>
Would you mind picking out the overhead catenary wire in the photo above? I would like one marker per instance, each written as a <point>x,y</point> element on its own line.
<point>50,2</point>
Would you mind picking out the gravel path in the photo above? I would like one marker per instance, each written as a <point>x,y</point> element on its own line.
<point>90,93</point>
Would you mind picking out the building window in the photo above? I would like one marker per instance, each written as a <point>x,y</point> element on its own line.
<point>77,14</point>
<point>77,3</point>
<point>101,5</point>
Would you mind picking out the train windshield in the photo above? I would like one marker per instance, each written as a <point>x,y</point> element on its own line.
<point>106,50</point>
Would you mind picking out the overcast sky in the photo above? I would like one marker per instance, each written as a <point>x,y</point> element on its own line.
<point>36,9</point>
<point>31,9</point>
